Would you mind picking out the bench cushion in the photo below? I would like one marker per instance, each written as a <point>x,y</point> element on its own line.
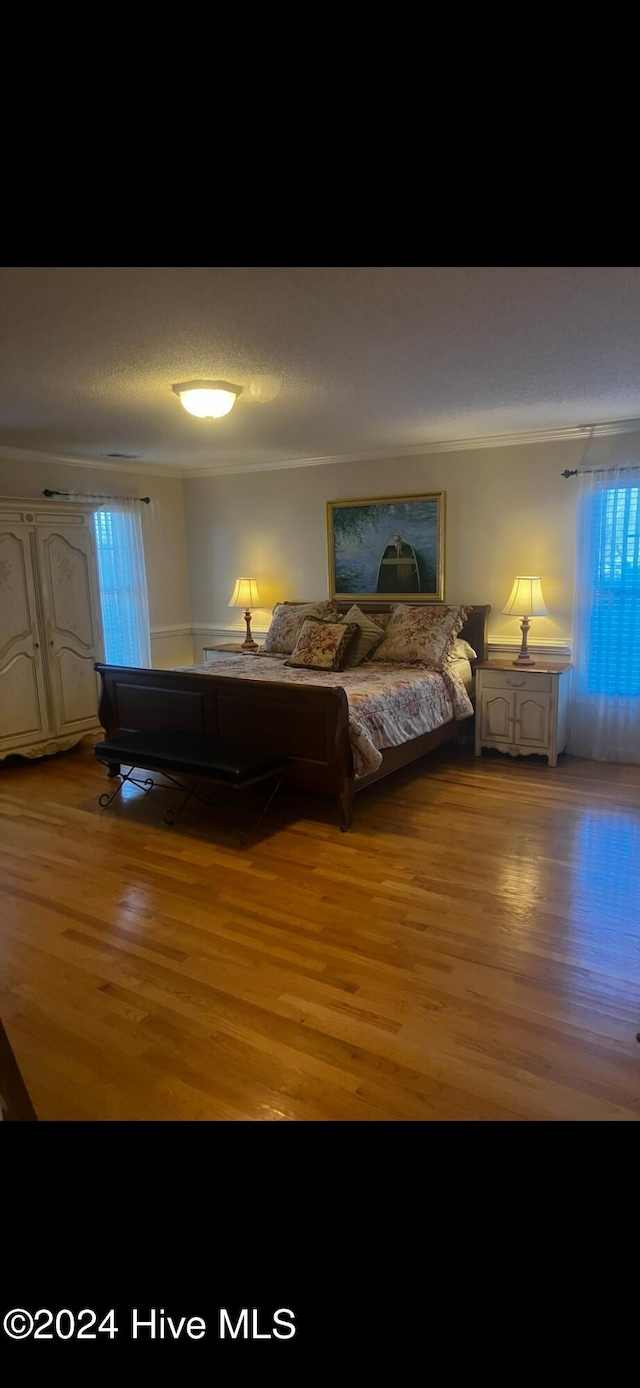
<point>190,753</point>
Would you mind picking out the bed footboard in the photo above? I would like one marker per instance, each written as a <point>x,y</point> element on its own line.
<point>308,725</point>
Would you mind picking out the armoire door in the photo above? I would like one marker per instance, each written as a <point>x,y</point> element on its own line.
<point>72,617</point>
<point>24,716</point>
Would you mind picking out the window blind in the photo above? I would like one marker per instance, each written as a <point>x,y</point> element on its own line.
<point>613,657</point>
<point>123,586</point>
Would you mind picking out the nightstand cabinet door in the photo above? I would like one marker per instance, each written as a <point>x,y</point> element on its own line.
<point>496,716</point>
<point>532,720</point>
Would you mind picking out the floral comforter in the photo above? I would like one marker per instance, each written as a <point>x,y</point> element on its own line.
<point>388,703</point>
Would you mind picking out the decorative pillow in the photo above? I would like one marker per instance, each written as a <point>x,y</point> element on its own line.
<point>421,633</point>
<point>323,645</point>
<point>370,634</point>
<point>287,622</point>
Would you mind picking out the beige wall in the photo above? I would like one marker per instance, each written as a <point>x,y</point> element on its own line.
<point>164,539</point>
<point>508,511</point>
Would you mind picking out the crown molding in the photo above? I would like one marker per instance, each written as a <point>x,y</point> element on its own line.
<point>575,432</point>
<point>581,432</point>
<point>28,455</point>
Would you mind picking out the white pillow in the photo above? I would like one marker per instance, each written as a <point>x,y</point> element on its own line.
<point>461,650</point>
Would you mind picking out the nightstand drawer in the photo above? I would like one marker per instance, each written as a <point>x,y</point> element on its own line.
<point>503,679</point>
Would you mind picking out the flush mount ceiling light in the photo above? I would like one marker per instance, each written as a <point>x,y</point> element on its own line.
<point>208,399</point>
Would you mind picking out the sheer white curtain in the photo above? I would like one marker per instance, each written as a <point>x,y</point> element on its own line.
<point>123,582</point>
<point>605,708</point>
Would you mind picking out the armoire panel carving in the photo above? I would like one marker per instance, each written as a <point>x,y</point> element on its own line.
<point>21,707</point>
<point>78,686</point>
<point>70,594</point>
<point>15,615</point>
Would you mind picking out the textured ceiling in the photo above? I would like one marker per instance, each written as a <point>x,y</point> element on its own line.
<point>346,360</point>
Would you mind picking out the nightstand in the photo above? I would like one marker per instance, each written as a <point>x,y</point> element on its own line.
<point>228,648</point>
<point>523,710</point>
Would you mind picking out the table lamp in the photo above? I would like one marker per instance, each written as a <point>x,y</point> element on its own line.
<point>245,594</point>
<point>525,600</point>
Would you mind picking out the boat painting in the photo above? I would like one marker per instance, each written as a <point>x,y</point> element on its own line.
<point>390,547</point>
<point>398,571</point>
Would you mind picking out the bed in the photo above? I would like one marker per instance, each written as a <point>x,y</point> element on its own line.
<point>326,725</point>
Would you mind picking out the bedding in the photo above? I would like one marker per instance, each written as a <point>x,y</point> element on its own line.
<point>460,655</point>
<point>462,668</point>
<point>388,704</point>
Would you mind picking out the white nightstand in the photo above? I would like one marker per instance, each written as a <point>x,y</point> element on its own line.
<point>228,648</point>
<point>520,710</point>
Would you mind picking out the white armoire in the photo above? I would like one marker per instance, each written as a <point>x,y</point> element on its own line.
<point>50,627</point>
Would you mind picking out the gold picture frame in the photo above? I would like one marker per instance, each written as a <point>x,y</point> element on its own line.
<point>396,541</point>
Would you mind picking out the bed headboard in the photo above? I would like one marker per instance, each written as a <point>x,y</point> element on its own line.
<point>474,630</point>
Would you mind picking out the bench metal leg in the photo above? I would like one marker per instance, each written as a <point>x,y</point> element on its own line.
<point>248,834</point>
<point>170,816</point>
<point>105,799</point>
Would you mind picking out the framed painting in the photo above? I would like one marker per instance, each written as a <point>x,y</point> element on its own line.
<point>389,548</point>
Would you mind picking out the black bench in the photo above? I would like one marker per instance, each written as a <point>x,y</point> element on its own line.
<point>188,754</point>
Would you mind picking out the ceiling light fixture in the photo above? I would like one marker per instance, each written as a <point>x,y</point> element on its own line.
<point>208,399</point>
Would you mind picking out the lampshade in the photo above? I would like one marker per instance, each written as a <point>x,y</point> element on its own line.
<point>245,594</point>
<point>208,399</point>
<point>525,598</point>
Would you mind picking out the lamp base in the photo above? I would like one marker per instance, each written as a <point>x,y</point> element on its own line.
<point>248,644</point>
<point>524,658</point>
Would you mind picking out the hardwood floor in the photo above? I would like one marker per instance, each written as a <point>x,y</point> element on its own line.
<point>469,951</point>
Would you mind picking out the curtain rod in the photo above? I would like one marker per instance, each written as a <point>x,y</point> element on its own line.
<point>578,471</point>
<point>98,496</point>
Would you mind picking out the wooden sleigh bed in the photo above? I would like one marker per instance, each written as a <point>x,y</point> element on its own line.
<point>307,724</point>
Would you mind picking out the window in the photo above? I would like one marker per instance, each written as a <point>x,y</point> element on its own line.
<point>123,585</point>
<point>613,659</point>
<point>605,702</point>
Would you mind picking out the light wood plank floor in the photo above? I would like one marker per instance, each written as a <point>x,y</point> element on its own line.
<point>471,950</point>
